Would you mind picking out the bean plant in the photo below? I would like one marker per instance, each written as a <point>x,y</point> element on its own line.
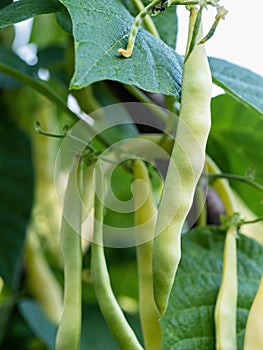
<point>131,196</point>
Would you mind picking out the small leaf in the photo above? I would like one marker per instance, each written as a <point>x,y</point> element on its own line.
<point>100,28</point>
<point>24,9</point>
<point>239,82</point>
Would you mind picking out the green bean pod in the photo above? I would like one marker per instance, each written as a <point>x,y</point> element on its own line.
<point>145,218</point>
<point>226,303</point>
<point>225,310</point>
<point>40,280</point>
<point>109,306</point>
<point>135,27</point>
<point>189,155</point>
<point>68,335</point>
<point>253,332</point>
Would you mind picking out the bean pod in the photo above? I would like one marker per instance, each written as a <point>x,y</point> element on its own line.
<point>109,306</point>
<point>68,335</point>
<point>253,333</point>
<point>189,155</point>
<point>145,218</point>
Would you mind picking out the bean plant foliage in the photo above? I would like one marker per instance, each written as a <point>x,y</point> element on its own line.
<point>75,85</point>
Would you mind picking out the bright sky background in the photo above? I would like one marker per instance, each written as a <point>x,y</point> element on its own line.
<point>238,38</point>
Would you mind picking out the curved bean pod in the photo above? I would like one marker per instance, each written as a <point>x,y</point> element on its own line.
<point>145,218</point>
<point>253,333</point>
<point>189,155</point>
<point>135,27</point>
<point>68,335</point>
<point>226,304</point>
<point>40,280</point>
<point>109,306</point>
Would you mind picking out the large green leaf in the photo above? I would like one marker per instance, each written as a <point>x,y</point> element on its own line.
<point>238,82</point>
<point>25,9</point>
<point>236,143</point>
<point>100,28</point>
<point>16,179</point>
<point>189,321</point>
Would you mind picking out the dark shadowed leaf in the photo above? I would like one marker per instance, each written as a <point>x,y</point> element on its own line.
<point>16,187</point>
<point>24,9</point>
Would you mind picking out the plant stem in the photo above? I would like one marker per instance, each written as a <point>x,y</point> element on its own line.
<point>148,21</point>
<point>222,187</point>
<point>201,207</point>
<point>43,89</point>
<point>253,221</point>
<point>158,111</point>
<point>39,86</point>
<point>239,178</point>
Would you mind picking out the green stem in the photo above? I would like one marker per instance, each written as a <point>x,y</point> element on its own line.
<point>109,306</point>
<point>189,3</point>
<point>43,89</point>
<point>239,178</point>
<point>158,111</point>
<point>135,27</point>
<point>201,207</point>
<point>253,221</point>
<point>148,21</point>
<point>39,86</point>
<point>222,188</point>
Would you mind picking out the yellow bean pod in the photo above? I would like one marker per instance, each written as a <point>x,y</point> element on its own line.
<point>189,155</point>
<point>40,280</point>
<point>226,304</point>
<point>253,333</point>
<point>145,218</point>
<point>225,311</point>
<point>109,306</point>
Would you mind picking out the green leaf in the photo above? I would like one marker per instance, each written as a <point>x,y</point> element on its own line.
<point>235,143</point>
<point>25,9</point>
<point>238,82</point>
<point>189,320</point>
<point>100,28</point>
<point>16,188</point>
